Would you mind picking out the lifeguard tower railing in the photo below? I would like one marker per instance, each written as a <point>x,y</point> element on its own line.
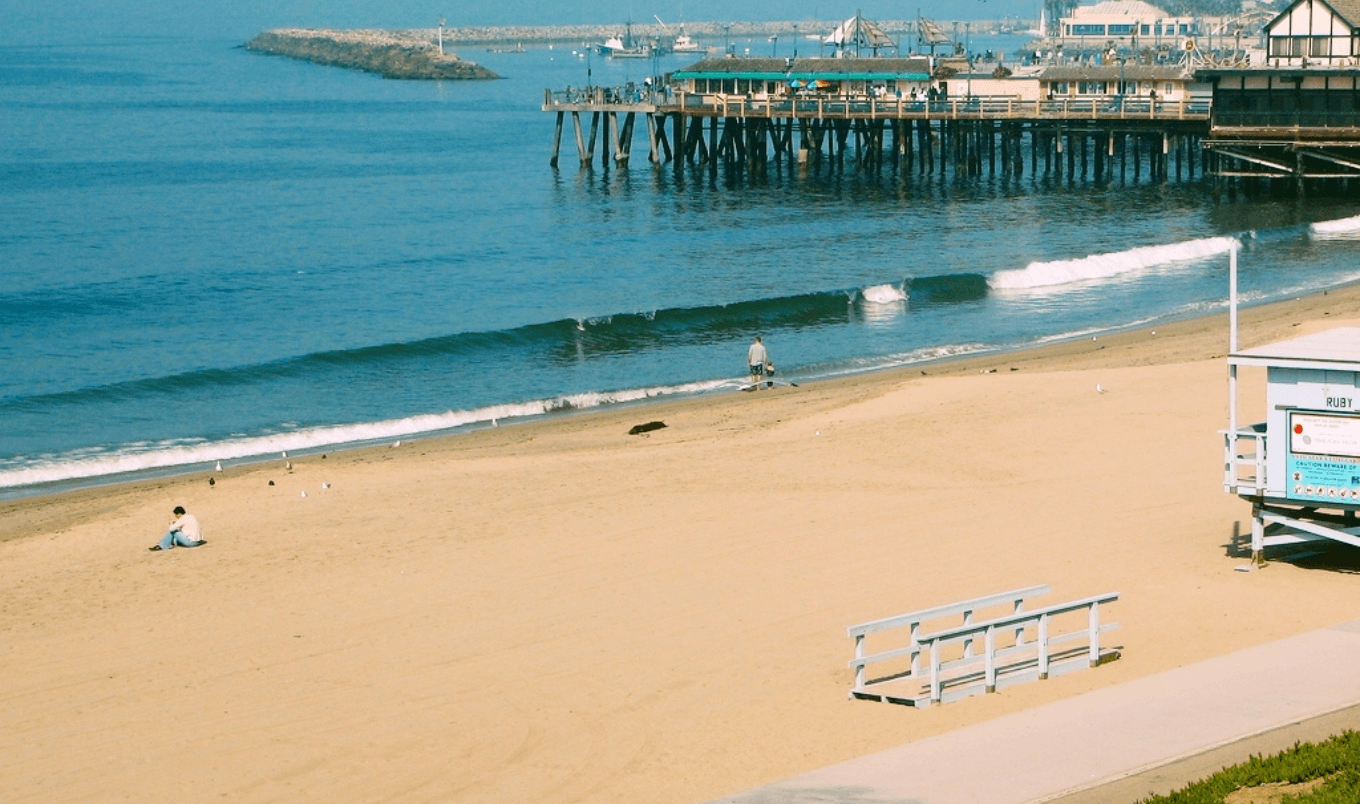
<point>1244,457</point>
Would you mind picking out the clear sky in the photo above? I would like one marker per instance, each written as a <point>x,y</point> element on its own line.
<point>53,20</point>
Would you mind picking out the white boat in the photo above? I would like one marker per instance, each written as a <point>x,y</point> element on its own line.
<point>684,43</point>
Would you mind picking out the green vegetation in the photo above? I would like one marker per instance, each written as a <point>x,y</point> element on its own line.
<point>1337,761</point>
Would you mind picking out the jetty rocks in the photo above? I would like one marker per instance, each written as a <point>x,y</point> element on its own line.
<point>391,54</point>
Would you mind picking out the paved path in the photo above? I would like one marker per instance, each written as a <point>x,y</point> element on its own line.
<point>1100,739</point>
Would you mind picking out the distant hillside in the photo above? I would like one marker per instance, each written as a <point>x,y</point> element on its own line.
<point>391,54</point>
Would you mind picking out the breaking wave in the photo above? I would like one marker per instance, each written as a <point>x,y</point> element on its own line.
<point>1104,266</point>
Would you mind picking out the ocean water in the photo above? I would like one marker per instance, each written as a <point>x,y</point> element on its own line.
<point>209,255</point>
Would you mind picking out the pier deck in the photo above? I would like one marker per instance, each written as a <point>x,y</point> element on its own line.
<point>748,132</point>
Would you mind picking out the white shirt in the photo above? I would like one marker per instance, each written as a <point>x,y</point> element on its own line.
<point>189,527</point>
<point>755,356</point>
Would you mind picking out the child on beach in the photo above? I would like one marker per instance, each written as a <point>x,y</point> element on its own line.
<point>184,532</point>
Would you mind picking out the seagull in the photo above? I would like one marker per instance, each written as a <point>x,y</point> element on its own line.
<point>285,453</point>
<point>325,485</point>
<point>304,494</point>
<point>219,467</point>
<point>1099,390</point>
<point>288,465</point>
<point>493,422</point>
<point>398,444</point>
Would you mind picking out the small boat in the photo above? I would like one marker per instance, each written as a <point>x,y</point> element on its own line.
<point>684,43</point>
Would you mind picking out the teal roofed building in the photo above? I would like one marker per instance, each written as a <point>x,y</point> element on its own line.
<point>774,78</point>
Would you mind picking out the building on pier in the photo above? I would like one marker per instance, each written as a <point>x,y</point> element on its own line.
<point>1315,32</point>
<point>1164,82</point>
<point>712,80</point>
<point>1130,24</point>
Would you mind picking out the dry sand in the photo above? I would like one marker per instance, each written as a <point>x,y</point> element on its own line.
<point>558,611</point>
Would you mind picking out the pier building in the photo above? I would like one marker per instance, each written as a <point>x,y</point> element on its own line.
<point>1294,122</point>
<point>1290,122</point>
<point>1129,24</point>
<point>1299,126</point>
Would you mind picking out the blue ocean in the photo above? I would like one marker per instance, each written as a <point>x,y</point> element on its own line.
<point>208,254</point>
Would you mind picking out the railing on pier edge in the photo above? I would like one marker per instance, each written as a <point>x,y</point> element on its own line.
<point>1026,656</point>
<point>661,102</point>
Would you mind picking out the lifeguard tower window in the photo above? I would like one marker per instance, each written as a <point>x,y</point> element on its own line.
<point>1300,468</point>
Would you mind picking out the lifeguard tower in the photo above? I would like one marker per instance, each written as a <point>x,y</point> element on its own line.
<point>1300,468</point>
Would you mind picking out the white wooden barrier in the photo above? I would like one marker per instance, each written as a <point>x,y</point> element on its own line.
<point>1016,647</point>
<point>913,620</point>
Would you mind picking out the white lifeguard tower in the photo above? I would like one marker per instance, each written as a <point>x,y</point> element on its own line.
<point>1300,468</point>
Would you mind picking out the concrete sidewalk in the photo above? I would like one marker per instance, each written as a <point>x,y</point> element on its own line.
<point>1115,735</point>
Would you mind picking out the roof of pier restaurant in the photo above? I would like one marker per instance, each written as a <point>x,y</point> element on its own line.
<point>884,69</point>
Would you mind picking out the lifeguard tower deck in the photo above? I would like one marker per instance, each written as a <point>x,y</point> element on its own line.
<point>1300,468</point>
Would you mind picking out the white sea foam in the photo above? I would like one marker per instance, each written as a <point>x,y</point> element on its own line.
<point>1104,266</point>
<point>922,355</point>
<point>1340,229</point>
<point>883,294</point>
<point>146,456</point>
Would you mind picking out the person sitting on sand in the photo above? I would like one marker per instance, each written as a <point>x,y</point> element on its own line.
<point>756,358</point>
<point>184,532</point>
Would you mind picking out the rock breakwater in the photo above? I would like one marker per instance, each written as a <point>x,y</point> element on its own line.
<point>391,54</point>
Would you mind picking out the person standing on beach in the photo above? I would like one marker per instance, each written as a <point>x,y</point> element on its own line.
<point>184,532</point>
<point>756,358</point>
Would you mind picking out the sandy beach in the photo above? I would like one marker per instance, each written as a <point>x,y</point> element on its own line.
<point>559,611</point>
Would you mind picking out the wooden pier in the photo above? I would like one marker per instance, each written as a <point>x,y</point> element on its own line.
<point>1095,138</point>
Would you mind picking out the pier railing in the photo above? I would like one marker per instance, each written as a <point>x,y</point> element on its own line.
<point>868,107</point>
<point>975,108</point>
<point>1017,647</point>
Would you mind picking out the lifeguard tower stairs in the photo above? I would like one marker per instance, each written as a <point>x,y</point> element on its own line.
<point>1300,468</point>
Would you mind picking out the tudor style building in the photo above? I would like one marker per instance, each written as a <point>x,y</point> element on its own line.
<point>1324,33</point>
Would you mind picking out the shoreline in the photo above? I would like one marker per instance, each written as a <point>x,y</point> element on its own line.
<point>578,614</point>
<point>1118,337</point>
<point>1260,323</point>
